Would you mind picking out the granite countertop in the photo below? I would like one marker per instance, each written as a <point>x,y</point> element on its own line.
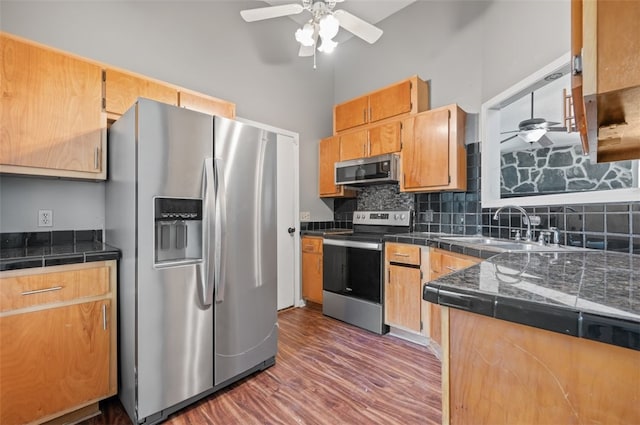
<point>594,295</point>
<point>585,293</point>
<point>42,249</point>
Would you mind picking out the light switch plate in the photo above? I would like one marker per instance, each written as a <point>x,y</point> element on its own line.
<point>305,216</point>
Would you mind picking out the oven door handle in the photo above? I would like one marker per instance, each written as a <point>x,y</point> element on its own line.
<point>374,246</point>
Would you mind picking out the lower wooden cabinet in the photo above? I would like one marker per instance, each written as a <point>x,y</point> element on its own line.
<point>312,269</point>
<point>442,262</point>
<point>58,340</point>
<point>403,287</point>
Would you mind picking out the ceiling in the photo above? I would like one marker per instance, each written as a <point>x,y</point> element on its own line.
<point>372,11</point>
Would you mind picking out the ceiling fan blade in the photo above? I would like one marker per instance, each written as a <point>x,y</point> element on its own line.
<point>251,15</point>
<point>550,123</point>
<point>557,129</point>
<point>544,141</point>
<point>357,26</point>
<point>508,138</point>
<point>510,131</point>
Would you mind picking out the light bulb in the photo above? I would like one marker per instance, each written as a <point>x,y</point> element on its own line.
<point>533,136</point>
<point>329,26</point>
<point>304,35</point>
<point>327,46</point>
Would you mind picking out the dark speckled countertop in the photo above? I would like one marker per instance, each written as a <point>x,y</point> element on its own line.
<point>41,249</point>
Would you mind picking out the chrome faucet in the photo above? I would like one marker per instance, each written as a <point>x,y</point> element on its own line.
<point>526,218</point>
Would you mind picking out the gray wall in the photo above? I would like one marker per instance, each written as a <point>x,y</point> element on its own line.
<point>203,45</point>
<point>468,50</point>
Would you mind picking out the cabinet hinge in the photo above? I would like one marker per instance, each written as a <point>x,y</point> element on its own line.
<point>420,274</point>
<point>449,179</point>
<point>576,65</point>
<point>104,103</point>
<point>421,325</point>
<point>410,85</point>
<point>104,76</point>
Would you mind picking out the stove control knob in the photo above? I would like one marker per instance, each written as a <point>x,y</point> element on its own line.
<point>396,216</point>
<point>403,216</point>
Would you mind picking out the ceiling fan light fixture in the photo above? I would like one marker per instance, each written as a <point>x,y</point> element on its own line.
<point>532,136</point>
<point>327,46</point>
<point>304,35</point>
<point>329,26</point>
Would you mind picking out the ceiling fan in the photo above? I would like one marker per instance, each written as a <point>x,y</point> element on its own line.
<point>324,23</point>
<point>534,130</point>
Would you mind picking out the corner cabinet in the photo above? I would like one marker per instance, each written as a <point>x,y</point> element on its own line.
<point>605,41</point>
<point>442,262</point>
<point>312,269</point>
<point>404,97</point>
<point>51,112</point>
<point>434,156</point>
<point>58,341</point>
<point>328,155</point>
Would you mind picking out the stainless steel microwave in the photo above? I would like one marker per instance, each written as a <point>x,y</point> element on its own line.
<point>363,171</point>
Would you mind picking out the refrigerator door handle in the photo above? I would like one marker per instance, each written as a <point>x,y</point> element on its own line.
<point>220,232</point>
<point>206,268</point>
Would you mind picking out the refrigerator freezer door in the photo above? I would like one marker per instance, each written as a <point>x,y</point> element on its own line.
<point>174,327</point>
<point>246,329</point>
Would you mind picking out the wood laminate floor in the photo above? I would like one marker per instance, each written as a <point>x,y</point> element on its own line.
<point>326,372</point>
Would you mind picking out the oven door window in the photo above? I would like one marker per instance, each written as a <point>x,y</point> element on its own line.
<point>354,272</point>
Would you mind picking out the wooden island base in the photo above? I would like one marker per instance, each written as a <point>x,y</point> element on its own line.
<point>498,372</point>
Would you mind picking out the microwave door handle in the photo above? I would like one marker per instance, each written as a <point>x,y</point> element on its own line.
<point>205,268</point>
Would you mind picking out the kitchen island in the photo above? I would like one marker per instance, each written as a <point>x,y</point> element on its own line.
<point>551,337</point>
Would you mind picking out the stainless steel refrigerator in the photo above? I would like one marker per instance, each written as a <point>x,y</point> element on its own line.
<point>191,202</point>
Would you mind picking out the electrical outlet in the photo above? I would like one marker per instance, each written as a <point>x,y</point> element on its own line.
<point>305,216</point>
<point>428,216</point>
<point>45,218</point>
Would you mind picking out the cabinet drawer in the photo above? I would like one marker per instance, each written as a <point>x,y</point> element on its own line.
<point>26,290</point>
<point>311,244</point>
<point>402,253</point>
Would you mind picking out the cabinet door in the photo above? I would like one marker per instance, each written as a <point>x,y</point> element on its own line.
<point>354,145</point>
<point>390,101</point>
<point>403,297</point>
<point>328,156</point>
<point>53,360</point>
<point>122,89</point>
<point>51,112</point>
<point>350,114</point>
<point>425,154</point>
<point>385,138</point>
<point>312,277</point>
<point>206,104</point>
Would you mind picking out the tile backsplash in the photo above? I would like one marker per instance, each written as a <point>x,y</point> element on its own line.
<point>610,226</point>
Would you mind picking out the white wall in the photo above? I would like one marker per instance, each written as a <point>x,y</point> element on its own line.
<point>203,45</point>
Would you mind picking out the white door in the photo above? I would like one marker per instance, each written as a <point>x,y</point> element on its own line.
<point>288,221</point>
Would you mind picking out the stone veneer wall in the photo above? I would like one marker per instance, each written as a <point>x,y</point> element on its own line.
<point>559,170</point>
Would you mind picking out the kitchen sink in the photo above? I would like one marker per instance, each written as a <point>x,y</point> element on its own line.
<point>489,243</point>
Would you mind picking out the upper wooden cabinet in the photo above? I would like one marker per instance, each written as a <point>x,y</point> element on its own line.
<point>207,104</point>
<point>329,154</point>
<point>122,89</point>
<point>606,67</point>
<point>51,112</point>
<point>409,96</point>
<point>433,155</point>
<point>376,140</point>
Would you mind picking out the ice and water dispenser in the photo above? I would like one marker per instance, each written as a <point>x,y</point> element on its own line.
<point>178,231</point>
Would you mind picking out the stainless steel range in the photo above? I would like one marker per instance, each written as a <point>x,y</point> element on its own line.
<point>353,288</point>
